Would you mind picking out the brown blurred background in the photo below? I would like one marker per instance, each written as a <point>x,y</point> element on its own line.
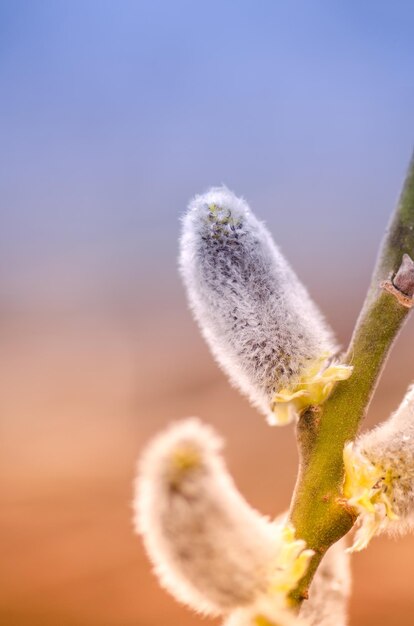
<point>82,392</point>
<point>112,116</point>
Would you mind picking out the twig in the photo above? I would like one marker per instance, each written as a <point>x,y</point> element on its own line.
<point>318,511</point>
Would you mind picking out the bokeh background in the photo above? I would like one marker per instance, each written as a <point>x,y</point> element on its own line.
<point>112,115</point>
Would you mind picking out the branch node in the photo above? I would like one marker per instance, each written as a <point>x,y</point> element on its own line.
<point>402,285</point>
<point>404,278</point>
<point>404,300</point>
<point>343,502</point>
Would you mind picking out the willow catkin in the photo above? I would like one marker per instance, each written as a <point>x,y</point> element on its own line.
<point>265,612</point>
<point>327,604</point>
<point>209,548</point>
<point>379,480</point>
<point>256,316</point>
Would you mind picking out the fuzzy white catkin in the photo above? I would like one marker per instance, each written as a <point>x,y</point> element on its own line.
<point>265,609</point>
<point>390,447</point>
<point>256,316</point>
<point>328,597</point>
<point>209,548</point>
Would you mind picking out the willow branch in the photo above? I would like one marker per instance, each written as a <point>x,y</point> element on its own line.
<point>318,511</point>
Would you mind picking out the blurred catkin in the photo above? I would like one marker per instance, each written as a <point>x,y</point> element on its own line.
<point>209,548</point>
<point>380,475</point>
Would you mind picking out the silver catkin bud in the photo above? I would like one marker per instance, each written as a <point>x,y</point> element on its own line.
<point>379,479</point>
<point>209,548</point>
<point>327,604</point>
<point>256,316</point>
<point>265,612</point>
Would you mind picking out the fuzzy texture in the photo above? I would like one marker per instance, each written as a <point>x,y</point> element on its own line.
<point>327,604</point>
<point>380,475</point>
<point>212,551</point>
<point>265,612</point>
<point>256,316</point>
<point>209,548</point>
<point>330,589</point>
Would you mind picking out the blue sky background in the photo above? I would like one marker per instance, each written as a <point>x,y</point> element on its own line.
<point>112,114</point>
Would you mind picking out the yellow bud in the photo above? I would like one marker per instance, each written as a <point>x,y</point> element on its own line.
<point>314,387</point>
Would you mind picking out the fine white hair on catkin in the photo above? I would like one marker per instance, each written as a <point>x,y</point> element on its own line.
<point>330,589</point>
<point>256,316</point>
<point>390,448</point>
<point>267,611</point>
<point>209,548</point>
<point>328,598</point>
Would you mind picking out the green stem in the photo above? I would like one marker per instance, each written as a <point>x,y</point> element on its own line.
<point>319,514</point>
